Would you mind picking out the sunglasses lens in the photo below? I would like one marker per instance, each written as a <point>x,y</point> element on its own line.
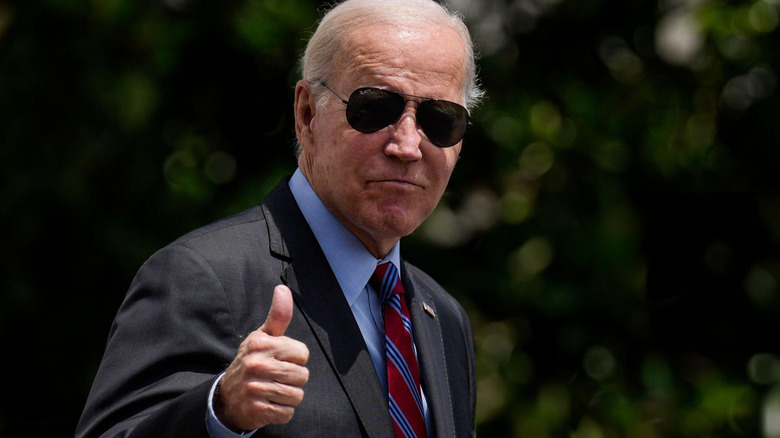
<point>371,109</point>
<point>443,122</point>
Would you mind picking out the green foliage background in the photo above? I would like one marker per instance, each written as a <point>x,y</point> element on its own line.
<point>612,227</point>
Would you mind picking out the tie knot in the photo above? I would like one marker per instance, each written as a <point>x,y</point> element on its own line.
<point>385,281</point>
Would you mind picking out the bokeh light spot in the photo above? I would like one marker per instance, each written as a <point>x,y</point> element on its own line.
<point>763,17</point>
<point>506,131</point>
<point>764,368</point>
<point>546,120</point>
<point>516,207</point>
<point>678,38</point>
<point>532,258</point>
<point>620,59</point>
<point>770,411</point>
<point>536,159</point>
<point>220,167</point>
<point>599,363</point>
<point>443,227</point>
<point>760,286</point>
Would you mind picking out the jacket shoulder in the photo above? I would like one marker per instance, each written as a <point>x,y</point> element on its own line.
<point>239,223</point>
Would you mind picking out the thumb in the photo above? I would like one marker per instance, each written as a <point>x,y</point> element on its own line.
<point>281,311</point>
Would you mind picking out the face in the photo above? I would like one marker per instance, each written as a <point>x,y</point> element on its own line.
<point>382,185</point>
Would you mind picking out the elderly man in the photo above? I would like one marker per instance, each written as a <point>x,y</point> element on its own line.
<point>353,341</point>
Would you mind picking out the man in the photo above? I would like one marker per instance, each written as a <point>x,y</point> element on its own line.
<point>379,117</point>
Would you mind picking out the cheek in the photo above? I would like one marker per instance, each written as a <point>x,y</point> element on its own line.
<point>442,168</point>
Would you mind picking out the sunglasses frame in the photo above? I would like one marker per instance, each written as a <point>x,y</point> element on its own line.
<point>402,95</point>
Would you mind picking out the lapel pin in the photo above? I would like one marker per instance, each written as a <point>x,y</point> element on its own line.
<point>428,309</point>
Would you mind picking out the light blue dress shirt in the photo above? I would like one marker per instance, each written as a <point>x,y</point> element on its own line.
<point>352,265</point>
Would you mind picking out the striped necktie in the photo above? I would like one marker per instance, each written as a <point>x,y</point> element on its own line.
<point>403,374</point>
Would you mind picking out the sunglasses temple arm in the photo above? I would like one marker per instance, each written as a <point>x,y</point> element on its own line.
<point>345,102</point>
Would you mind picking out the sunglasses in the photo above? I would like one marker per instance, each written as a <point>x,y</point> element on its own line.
<point>370,109</point>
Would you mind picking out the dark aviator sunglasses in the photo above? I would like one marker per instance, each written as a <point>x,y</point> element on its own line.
<point>370,109</point>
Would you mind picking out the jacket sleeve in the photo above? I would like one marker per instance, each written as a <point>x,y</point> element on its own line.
<point>171,337</point>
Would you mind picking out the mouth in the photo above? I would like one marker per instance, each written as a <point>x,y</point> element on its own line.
<point>398,182</point>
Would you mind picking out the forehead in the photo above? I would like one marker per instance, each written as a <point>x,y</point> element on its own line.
<point>429,62</point>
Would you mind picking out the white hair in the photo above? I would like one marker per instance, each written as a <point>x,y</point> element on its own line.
<point>318,61</point>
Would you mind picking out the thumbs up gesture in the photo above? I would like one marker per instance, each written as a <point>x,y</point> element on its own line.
<point>264,383</point>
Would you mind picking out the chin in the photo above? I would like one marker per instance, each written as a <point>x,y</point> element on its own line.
<point>398,225</point>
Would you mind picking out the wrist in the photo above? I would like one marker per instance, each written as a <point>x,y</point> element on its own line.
<point>221,412</point>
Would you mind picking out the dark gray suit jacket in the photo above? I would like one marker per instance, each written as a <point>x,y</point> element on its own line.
<point>192,303</point>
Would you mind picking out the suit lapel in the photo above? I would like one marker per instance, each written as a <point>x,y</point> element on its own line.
<point>322,303</point>
<point>430,351</point>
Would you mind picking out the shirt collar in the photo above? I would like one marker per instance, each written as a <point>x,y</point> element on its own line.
<point>351,262</point>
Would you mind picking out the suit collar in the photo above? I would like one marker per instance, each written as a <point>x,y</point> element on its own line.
<point>287,229</point>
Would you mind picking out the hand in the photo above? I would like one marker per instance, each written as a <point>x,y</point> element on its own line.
<point>264,383</point>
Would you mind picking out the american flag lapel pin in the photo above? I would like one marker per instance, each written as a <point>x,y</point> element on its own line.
<point>428,309</point>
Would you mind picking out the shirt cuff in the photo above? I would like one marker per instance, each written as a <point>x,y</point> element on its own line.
<point>215,428</point>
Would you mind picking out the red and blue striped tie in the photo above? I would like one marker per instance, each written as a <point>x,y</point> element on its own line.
<point>403,373</point>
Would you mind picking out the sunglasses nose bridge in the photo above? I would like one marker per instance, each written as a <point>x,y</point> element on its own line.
<point>406,136</point>
<point>412,111</point>
<point>409,112</point>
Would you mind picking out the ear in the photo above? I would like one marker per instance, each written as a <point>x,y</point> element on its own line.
<point>305,110</point>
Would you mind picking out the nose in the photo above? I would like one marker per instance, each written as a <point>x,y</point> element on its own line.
<point>405,140</point>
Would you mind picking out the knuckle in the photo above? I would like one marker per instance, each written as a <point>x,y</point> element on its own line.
<point>257,341</point>
<point>257,389</point>
<point>304,375</point>
<point>283,414</point>
<point>258,411</point>
<point>258,407</point>
<point>257,365</point>
<point>297,396</point>
<point>304,354</point>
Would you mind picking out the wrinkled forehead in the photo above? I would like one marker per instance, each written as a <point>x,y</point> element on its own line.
<point>433,56</point>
